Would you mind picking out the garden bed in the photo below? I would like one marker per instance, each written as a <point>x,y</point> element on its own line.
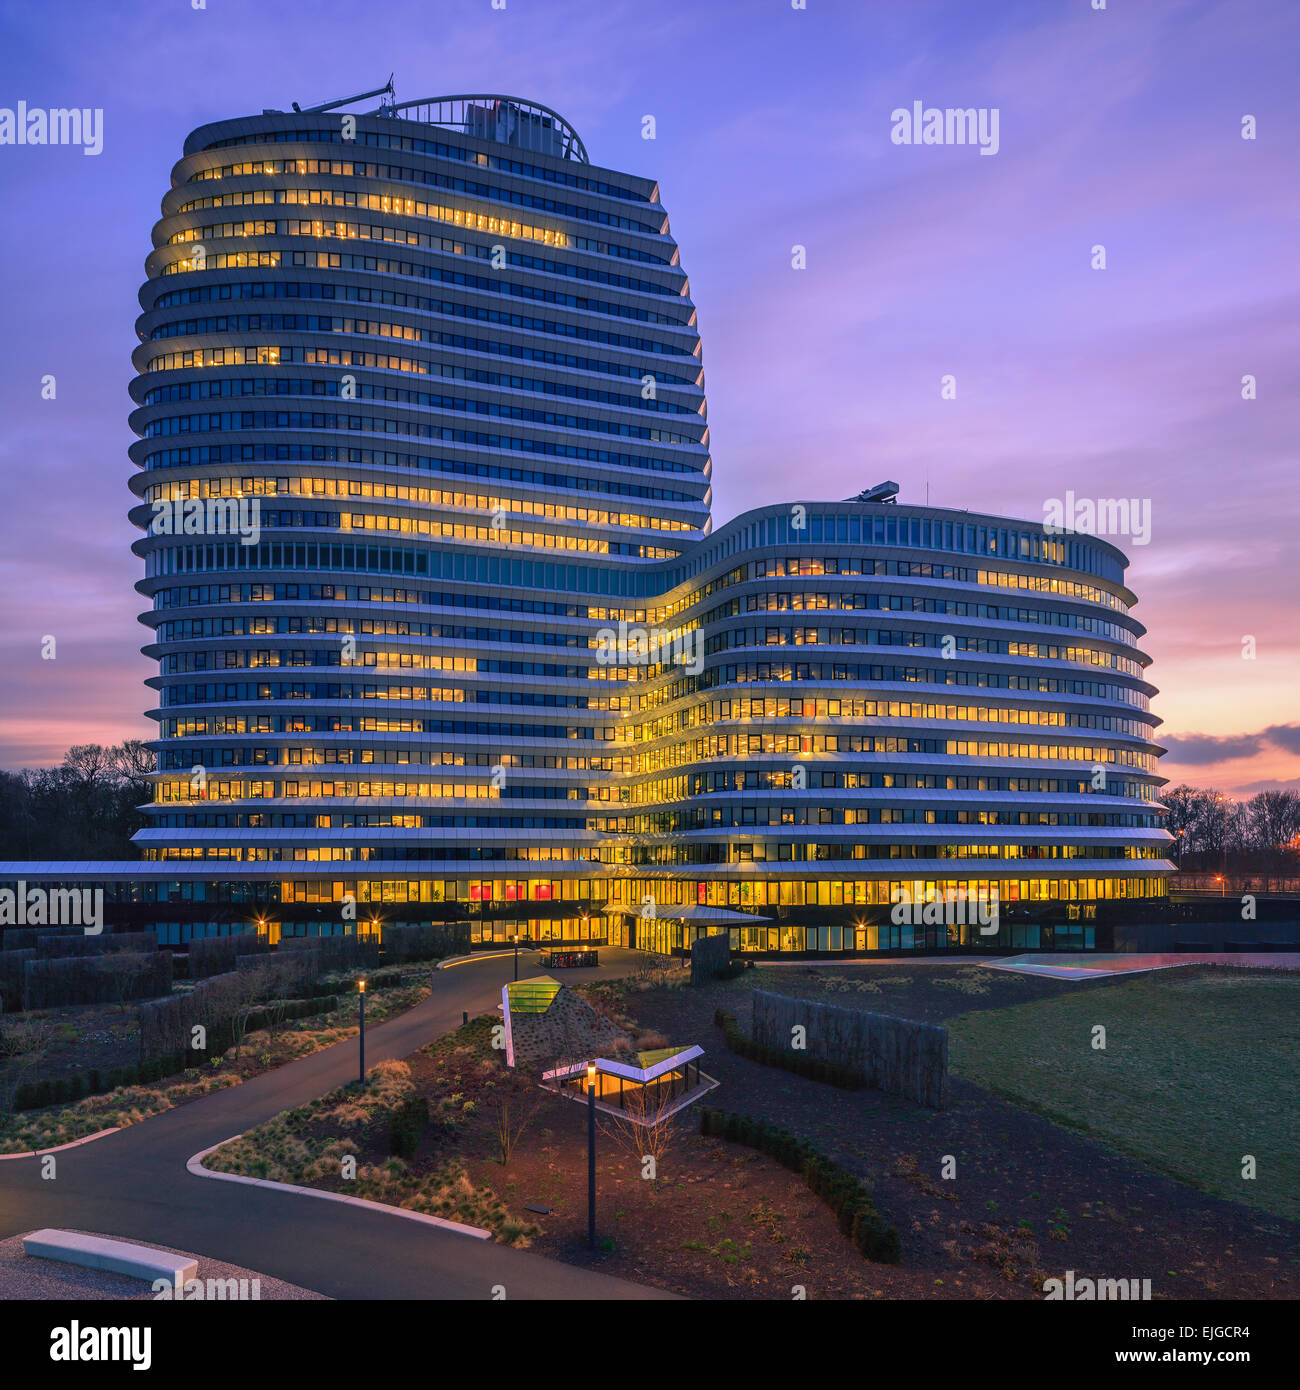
<point>718,1220</point>
<point>260,1051</point>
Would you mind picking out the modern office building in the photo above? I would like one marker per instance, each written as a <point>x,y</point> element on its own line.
<point>443,627</point>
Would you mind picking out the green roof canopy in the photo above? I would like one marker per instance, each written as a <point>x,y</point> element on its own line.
<point>533,996</point>
<point>660,1054</point>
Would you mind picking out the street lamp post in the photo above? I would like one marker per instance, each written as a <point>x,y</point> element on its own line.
<point>516,955</point>
<point>1223,833</point>
<point>591,1156</point>
<point>361,995</point>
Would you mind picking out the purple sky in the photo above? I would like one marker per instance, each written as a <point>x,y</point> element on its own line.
<point>1118,127</point>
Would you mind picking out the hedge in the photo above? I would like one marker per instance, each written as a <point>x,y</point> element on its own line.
<point>843,1192</point>
<point>424,941</point>
<point>405,1125</point>
<point>106,978</point>
<point>290,1009</point>
<point>814,1068</point>
<point>103,944</point>
<point>335,952</point>
<point>13,965</point>
<point>214,955</point>
<point>36,1095</point>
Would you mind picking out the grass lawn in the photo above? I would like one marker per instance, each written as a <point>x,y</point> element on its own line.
<point>1201,1066</point>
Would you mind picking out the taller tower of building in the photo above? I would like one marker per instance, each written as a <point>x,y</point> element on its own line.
<point>453,371</point>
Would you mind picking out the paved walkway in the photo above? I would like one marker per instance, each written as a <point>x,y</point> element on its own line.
<point>134,1184</point>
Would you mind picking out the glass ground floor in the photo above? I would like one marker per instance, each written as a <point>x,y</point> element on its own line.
<point>665,937</point>
<point>828,913</point>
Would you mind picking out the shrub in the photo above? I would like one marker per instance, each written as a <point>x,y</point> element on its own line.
<point>405,1126</point>
<point>843,1192</point>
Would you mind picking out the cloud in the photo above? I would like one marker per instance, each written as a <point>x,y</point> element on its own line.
<point>1203,749</point>
<point>1196,749</point>
<point>1284,736</point>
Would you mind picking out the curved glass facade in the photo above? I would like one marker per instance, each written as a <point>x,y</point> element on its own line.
<point>440,618</point>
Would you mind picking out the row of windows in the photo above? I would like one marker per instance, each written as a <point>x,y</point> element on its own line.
<point>895,526</point>
<point>888,637</point>
<point>381,424</point>
<point>358,168</point>
<point>677,824</point>
<point>700,817</point>
<point>784,601</point>
<point>638,894</point>
<point>678,854</point>
<point>390,205</point>
<point>203,259</point>
<point>307,486</point>
<point>267,355</point>
<point>203,454</point>
<point>738,745</point>
<point>590,582</point>
<point>388,328</point>
<point>871,534</point>
<point>782,707</point>
<point>454,216</point>
<point>225,387</point>
<point>196,523</point>
<point>469,308</point>
<point>764,672</point>
<point>434,179</point>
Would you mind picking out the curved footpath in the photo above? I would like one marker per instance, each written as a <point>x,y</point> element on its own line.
<point>134,1184</point>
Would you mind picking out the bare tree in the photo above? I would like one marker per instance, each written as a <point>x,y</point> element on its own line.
<point>90,763</point>
<point>133,762</point>
<point>1273,820</point>
<point>518,1101</point>
<point>644,1128</point>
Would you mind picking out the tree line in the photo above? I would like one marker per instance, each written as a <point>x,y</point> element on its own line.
<point>83,809</point>
<point>1262,833</point>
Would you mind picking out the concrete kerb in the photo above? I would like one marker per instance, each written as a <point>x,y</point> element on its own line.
<point>194,1165</point>
<point>59,1148</point>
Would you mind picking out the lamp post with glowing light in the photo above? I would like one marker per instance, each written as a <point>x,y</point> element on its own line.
<point>361,996</point>
<point>591,1156</point>
<point>516,955</point>
<point>1223,832</point>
